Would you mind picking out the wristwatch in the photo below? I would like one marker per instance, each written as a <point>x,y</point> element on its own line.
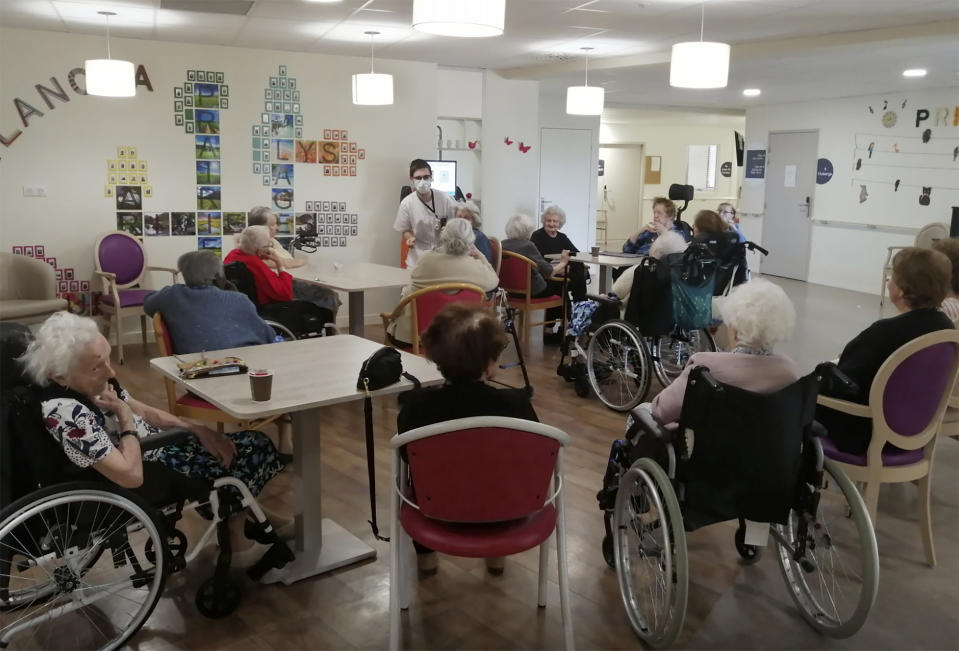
<point>129,432</point>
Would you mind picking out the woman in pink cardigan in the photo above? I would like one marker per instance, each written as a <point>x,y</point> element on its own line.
<point>758,315</point>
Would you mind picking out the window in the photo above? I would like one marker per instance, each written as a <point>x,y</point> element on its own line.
<point>701,166</point>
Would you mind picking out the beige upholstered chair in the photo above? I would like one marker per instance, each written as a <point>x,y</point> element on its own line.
<point>924,239</point>
<point>28,289</point>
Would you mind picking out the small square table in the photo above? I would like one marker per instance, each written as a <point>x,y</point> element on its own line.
<point>354,278</point>
<point>308,374</point>
<point>606,261</point>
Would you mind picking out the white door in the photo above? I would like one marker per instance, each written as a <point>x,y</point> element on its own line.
<point>566,175</point>
<point>622,186</point>
<point>790,184</point>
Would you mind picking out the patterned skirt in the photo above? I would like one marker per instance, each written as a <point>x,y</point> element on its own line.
<point>256,461</point>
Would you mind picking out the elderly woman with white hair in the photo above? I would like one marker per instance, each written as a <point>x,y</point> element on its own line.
<point>454,260</point>
<point>98,424</point>
<point>549,239</point>
<point>469,211</point>
<point>201,314</point>
<point>253,250</point>
<point>758,315</point>
<point>519,228</point>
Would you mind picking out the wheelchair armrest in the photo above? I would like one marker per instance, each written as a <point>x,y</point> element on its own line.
<point>830,376</point>
<point>643,419</point>
<point>607,300</point>
<point>162,439</point>
<point>752,246</point>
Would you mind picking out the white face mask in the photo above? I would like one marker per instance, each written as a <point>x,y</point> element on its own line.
<point>422,186</point>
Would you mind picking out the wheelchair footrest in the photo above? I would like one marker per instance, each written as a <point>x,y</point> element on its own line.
<point>276,557</point>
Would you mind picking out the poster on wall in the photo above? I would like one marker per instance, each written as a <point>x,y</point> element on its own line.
<point>755,164</point>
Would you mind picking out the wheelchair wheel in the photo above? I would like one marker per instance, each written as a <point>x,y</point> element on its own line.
<point>618,365</point>
<point>58,589</point>
<point>835,577</point>
<point>670,353</point>
<point>650,549</point>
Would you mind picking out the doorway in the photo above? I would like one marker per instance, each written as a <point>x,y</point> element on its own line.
<point>566,178</point>
<point>619,193</point>
<point>790,185</point>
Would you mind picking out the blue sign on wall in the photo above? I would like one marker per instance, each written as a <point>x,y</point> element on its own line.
<point>755,163</point>
<point>823,171</point>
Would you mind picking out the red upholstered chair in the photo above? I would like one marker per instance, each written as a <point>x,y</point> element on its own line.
<point>481,487</point>
<point>187,405</point>
<point>497,253</point>
<point>516,277</point>
<point>907,400</point>
<point>425,303</point>
<point>121,264</point>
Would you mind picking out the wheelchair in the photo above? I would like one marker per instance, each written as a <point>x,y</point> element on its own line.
<point>83,562</point>
<point>294,319</point>
<point>743,456</point>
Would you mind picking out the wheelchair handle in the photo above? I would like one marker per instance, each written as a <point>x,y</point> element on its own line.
<point>162,439</point>
<point>829,370</point>
<point>752,246</point>
<point>701,373</point>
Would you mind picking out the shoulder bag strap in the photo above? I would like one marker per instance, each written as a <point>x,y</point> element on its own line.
<point>368,415</point>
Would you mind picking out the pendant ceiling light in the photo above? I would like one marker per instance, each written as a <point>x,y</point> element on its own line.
<point>109,77</point>
<point>585,99</point>
<point>372,89</point>
<point>699,64</point>
<point>467,18</point>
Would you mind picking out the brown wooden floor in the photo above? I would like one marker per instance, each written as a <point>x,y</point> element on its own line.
<point>462,607</point>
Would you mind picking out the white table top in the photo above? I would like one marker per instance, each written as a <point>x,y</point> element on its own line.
<point>308,373</point>
<point>353,276</point>
<point>623,260</point>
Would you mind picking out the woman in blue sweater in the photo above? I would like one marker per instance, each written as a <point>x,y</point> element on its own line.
<point>200,315</point>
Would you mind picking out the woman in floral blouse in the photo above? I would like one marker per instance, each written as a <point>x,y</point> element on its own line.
<point>99,424</point>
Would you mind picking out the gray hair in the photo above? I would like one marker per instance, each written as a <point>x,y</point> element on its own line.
<point>554,210</point>
<point>253,238</point>
<point>473,210</point>
<point>519,227</point>
<point>259,216</point>
<point>200,268</point>
<point>760,312</point>
<point>61,337</point>
<point>457,237</point>
<point>667,243</point>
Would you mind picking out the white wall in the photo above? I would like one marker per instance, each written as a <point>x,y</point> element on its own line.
<point>668,134</point>
<point>845,254</point>
<point>66,150</point>
<point>510,178</point>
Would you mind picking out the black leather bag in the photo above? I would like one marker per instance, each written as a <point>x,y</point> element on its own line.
<point>379,370</point>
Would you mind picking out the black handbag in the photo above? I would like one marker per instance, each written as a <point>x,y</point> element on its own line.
<point>379,370</point>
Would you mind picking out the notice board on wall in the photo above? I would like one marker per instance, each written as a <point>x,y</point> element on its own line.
<point>653,169</point>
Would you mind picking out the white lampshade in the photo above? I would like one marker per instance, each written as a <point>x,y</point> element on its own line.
<point>469,18</point>
<point>372,89</point>
<point>585,100</point>
<point>110,78</point>
<point>699,64</point>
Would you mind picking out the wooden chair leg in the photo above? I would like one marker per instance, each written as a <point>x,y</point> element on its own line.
<point>925,519</point>
<point>526,331</point>
<point>119,330</point>
<point>871,498</point>
<point>143,331</point>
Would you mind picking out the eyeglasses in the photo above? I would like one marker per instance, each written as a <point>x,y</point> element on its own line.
<point>728,212</point>
<point>423,178</point>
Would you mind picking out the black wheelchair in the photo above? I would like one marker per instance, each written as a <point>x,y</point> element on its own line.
<point>294,319</point>
<point>746,456</point>
<point>83,562</point>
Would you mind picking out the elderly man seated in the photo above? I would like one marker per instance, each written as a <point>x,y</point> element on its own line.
<point>201,315</point>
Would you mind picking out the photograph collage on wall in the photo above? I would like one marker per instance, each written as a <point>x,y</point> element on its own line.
<point>128,184</point>
<point>198,102</point>
<point>69,287</point>
<point>329,221</point>
<point>279,144</point>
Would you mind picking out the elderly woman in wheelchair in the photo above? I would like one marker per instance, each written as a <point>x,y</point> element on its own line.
<point>737,441</point>
<point>72,422</point>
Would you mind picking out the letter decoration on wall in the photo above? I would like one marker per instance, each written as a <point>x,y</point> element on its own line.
<point>329,221</point>
<point>278,145</point>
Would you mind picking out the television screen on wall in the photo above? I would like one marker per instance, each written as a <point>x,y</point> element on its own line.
<point>444,175</point>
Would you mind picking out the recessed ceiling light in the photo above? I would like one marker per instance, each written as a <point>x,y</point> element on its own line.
<point>914,72</point>
<point>752,92</point>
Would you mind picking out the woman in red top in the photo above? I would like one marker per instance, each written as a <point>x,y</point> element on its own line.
<point>254,247</point>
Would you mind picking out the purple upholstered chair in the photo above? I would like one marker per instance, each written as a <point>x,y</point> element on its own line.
<point>121,264</point>
<point>906,403</point>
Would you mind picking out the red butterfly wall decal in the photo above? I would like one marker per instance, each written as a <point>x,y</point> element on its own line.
<point>524,148</point>
<point>472,144</point>
<point>507,140</point>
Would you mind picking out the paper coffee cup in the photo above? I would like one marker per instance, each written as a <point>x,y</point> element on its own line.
<point>595,251</point>
<point>261,384</point>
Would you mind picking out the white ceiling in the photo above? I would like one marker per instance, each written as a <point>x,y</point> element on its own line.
<point>791,49</point>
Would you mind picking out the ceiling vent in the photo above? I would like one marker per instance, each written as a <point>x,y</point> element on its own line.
<point>233,7</point>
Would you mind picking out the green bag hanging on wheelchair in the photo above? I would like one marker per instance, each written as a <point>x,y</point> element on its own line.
<point>693,278</point>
